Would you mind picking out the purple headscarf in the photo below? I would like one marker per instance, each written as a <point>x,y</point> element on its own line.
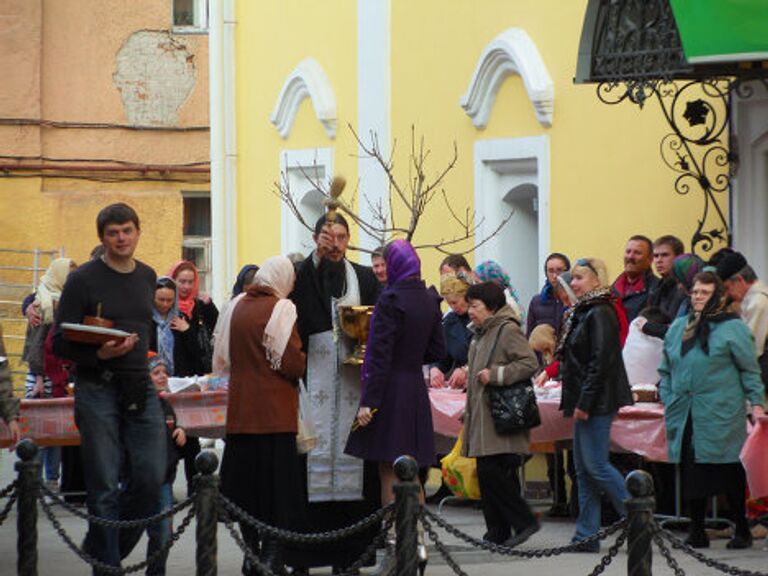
<point>402,262</point>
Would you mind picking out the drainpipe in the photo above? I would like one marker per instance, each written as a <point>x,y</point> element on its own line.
<point>223,232</point>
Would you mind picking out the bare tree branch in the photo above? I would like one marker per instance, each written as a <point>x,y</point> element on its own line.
<point>415,197</point>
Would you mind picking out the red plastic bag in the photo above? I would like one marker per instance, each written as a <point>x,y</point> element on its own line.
<point>753,456</point>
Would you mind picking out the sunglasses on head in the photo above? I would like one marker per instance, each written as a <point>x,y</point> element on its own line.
<point>165,283</point>
<point>585,263</point>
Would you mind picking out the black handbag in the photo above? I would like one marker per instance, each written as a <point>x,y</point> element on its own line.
<point>513,407</point>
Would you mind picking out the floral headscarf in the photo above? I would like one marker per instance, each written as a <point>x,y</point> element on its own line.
<point>454,283</point>
<point>685,267</point>
<point>491,271</point>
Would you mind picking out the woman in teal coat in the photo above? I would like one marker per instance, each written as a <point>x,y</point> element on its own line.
<point>708,372</point>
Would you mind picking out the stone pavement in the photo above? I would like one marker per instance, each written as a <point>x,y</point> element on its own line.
<point>56,559</point>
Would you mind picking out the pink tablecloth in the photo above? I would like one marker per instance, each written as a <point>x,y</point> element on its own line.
<point>638,429</point>
<point>52,422</point>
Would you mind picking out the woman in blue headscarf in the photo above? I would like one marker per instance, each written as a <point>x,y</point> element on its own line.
<point>244,279</point>
<point>406,332</point>
<point>171,339</point>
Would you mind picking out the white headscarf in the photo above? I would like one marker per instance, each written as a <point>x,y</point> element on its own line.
<point>278,273</point>
<point>50,286</point>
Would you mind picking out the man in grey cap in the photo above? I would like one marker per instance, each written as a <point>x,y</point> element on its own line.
<point>743,287</point>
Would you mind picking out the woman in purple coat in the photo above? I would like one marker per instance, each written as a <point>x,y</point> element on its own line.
<point>395,417</point>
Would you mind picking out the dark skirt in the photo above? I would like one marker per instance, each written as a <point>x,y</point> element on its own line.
<point>325,516</point>
<point>701,480</point>
<point>261,473</point>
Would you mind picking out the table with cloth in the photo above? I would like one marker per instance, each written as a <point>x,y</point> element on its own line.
<point>51,422</point>
<point>638,429</point>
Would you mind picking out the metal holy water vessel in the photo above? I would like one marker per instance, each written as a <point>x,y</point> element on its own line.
<point>356,321</point>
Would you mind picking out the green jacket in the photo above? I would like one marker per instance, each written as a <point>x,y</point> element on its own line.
<point>712,388</point>
<point>9,405</point>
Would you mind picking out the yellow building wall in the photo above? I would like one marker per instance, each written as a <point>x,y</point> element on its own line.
<point>271,39</point>
<point>607,179</point>
<point>64,216</point>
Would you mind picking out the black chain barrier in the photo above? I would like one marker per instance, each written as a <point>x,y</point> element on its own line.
<point>639,527</point>
<point>10,493</point>
<point>5,492</point>
<point>7,509</point>
<point>426,516</point>
<point>610,555</point>
<point>303,537</point>
<point>119,524</point>
<point>533,553</point>
<point>661,534</point>
<point>667,554</point>
<point>108,568</point>
<point>368,554</point>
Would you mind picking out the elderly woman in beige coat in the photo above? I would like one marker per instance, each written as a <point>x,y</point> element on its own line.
<point>499,355</point>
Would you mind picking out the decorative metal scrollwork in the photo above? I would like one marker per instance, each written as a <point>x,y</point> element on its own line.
<point>697,112</point>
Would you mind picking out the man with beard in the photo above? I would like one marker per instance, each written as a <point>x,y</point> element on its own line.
<point>635,284</point>
<point>340,489</point>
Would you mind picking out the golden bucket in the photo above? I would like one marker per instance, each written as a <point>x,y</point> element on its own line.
<point>356,321</point>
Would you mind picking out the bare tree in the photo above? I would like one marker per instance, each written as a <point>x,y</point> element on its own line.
<point>415,196</point>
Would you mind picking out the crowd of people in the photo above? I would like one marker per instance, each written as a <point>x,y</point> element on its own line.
<point>697,332</point>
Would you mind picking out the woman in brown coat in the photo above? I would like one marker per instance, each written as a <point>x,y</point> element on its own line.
<point>499,355</point>
<point>260,469</point>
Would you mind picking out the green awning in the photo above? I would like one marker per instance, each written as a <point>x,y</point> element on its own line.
<point>719,31</point>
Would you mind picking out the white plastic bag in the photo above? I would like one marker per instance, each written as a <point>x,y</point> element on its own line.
<point>306,437</point>
<point>642,356</point>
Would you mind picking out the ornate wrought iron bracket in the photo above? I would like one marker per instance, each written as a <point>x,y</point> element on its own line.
<point>697,112</point>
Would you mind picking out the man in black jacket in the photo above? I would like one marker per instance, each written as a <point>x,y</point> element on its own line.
<point>667,295</point>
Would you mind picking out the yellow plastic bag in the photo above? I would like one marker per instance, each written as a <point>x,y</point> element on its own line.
<point>460,472</point>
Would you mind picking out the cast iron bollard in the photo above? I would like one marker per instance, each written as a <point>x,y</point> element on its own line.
<point>407,506</point>
<point>206,504</point>
<point>640,506</point>
<point>28,490</point>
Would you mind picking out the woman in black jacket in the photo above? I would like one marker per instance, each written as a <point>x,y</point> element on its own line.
<point>595,386</point>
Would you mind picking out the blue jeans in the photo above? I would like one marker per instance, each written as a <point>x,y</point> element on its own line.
<point>594,474</point>
<point>159,533</point>
<point>111,438</point>
<point>50,457</point>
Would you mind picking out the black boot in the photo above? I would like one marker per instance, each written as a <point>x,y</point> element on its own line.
<point>272,556</point>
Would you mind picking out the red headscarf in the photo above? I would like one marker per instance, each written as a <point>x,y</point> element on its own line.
<point>186,305</point>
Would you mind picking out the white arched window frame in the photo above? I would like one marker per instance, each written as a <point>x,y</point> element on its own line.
<point>511,52</point>
<point>307,80</point>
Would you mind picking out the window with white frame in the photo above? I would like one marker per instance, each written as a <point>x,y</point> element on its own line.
<point>302,171</point>
<point>190,15</point>
<point>196,241</point>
